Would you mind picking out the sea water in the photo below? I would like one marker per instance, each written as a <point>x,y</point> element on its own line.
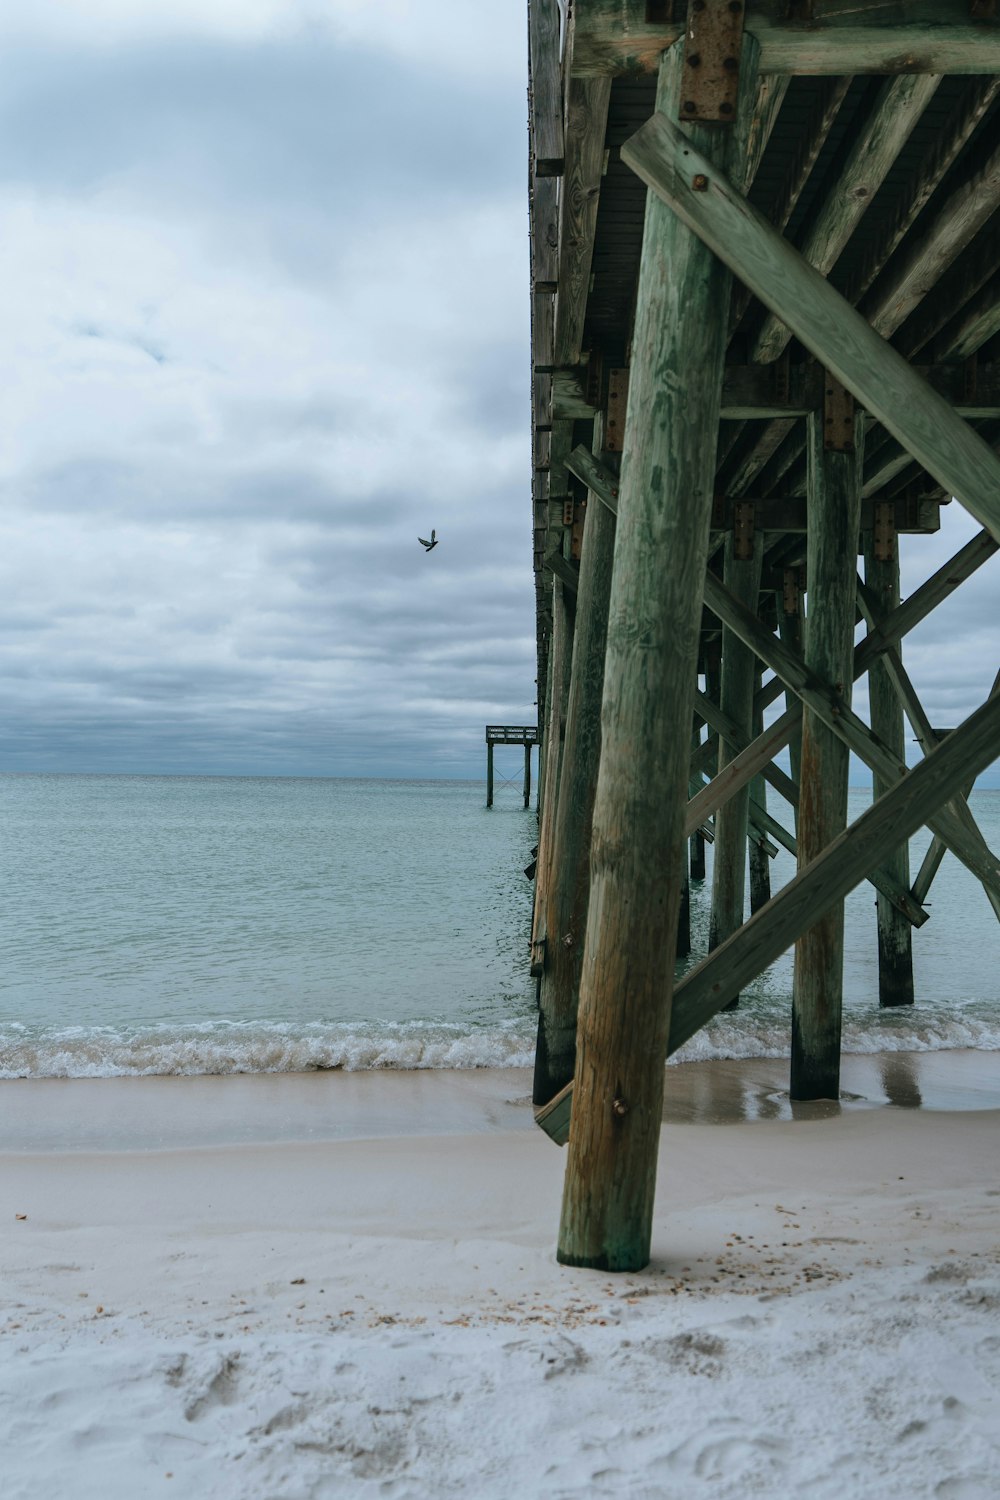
<point>156,925</point>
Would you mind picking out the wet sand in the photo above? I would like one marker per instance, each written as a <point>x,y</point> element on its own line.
<point>148,1114</point>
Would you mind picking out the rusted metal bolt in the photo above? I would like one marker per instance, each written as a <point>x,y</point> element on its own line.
<point>568,940</point>
<point>725,108</point>
<point>690,108</point>
<point>620,1107</point>
<point>730,64</point>
<point>700,183</point>
<point>694,61</point>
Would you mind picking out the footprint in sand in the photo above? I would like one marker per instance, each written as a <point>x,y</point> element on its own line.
<point>738,1455</point>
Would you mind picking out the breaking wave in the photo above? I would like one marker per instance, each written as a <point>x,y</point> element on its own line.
<point>221,1047</point>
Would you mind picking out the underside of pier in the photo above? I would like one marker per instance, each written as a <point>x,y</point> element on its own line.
<point>765,250</point>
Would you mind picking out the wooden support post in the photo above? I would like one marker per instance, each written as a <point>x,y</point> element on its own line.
<point>914,800</point>
<point>568,892</point>
<point>790,631</point>
<point>683,945</point>
<point>825,882</point>
<point>527,775</point>
<point>742,579</point>
<point>696,851</point>
<point>555,709</point>
<point>895,942</point>
<point>489,773</point>
<point>834,500</point>
<point>760,865</point>
<point>654,622</point>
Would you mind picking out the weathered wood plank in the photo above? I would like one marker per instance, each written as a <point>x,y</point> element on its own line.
<point>742,579</point>
<point>895,940</point>
<point>818,315</point>
<point>935,36</point>
<point>653,635</point>
<point>569,887</point>
<point>544,234</point>
<point>546,87</point>
<point>586,124</point>
<point>900,103</point>
<point>925,180</point>
<point>834,499</point>
<point>560,657</point>
<point>830,877</point>
<point>960,217</point>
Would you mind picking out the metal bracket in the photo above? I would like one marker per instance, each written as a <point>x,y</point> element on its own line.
<point>711,77</point>
<point>567,519</point>
<point>614,427</point>
<point>884,531</point>
<point>576,535</point>
<point>838,416</point>
<point>791,598</point>
<point>744,526</point>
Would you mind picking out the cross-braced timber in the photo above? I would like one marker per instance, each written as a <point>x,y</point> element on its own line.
<point>765,342</point>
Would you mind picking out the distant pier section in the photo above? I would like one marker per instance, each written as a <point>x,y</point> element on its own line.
<point>510,734</point>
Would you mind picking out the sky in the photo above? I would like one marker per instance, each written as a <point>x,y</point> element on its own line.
<point>264,300</point>
<point>264,293</point>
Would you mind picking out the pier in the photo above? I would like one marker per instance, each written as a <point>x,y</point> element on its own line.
<point>765,303</point>
<point>510,734</point>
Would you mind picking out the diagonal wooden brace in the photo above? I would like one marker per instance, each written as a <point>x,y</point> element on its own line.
<point>894,890</point>
<point>903,619</point>
<point>820,317</point>
<point>826,880</point>
<point>828,706</point>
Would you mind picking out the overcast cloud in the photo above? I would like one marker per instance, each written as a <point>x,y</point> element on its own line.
<point>264,299</point>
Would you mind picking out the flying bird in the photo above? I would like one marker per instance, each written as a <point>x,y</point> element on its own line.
<point>430,545</point>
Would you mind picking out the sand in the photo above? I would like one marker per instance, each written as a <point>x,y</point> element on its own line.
<point>344,1285</point>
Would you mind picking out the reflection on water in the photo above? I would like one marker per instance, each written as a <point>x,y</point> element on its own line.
<point>899,1079</point>
<point>732,1091</point>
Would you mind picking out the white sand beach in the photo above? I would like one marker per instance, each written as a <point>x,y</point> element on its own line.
<point>345,1285</point>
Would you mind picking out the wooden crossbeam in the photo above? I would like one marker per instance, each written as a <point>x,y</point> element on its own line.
<point>930,36</point>
<point>664,158</point>
<point>828,879</point>
<point>751,391</point>
<point>956,223</point>
<point>586,123</point>
<point>899,104</point>
<point>831,709</point>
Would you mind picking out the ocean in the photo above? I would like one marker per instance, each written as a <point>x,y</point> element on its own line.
<point>193,925</point>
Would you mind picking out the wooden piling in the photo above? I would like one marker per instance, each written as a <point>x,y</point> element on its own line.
<point>527,775</point>
<point>555,711</point>
<point>742,579</point>
<point>489,773</point>
<point>569,888</point>
<point>760,865</point>
<point>649,681</point>
<point>834,504</point>
<point>895,943</point>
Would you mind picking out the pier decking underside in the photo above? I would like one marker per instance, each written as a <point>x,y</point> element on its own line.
<point>765,345</point>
